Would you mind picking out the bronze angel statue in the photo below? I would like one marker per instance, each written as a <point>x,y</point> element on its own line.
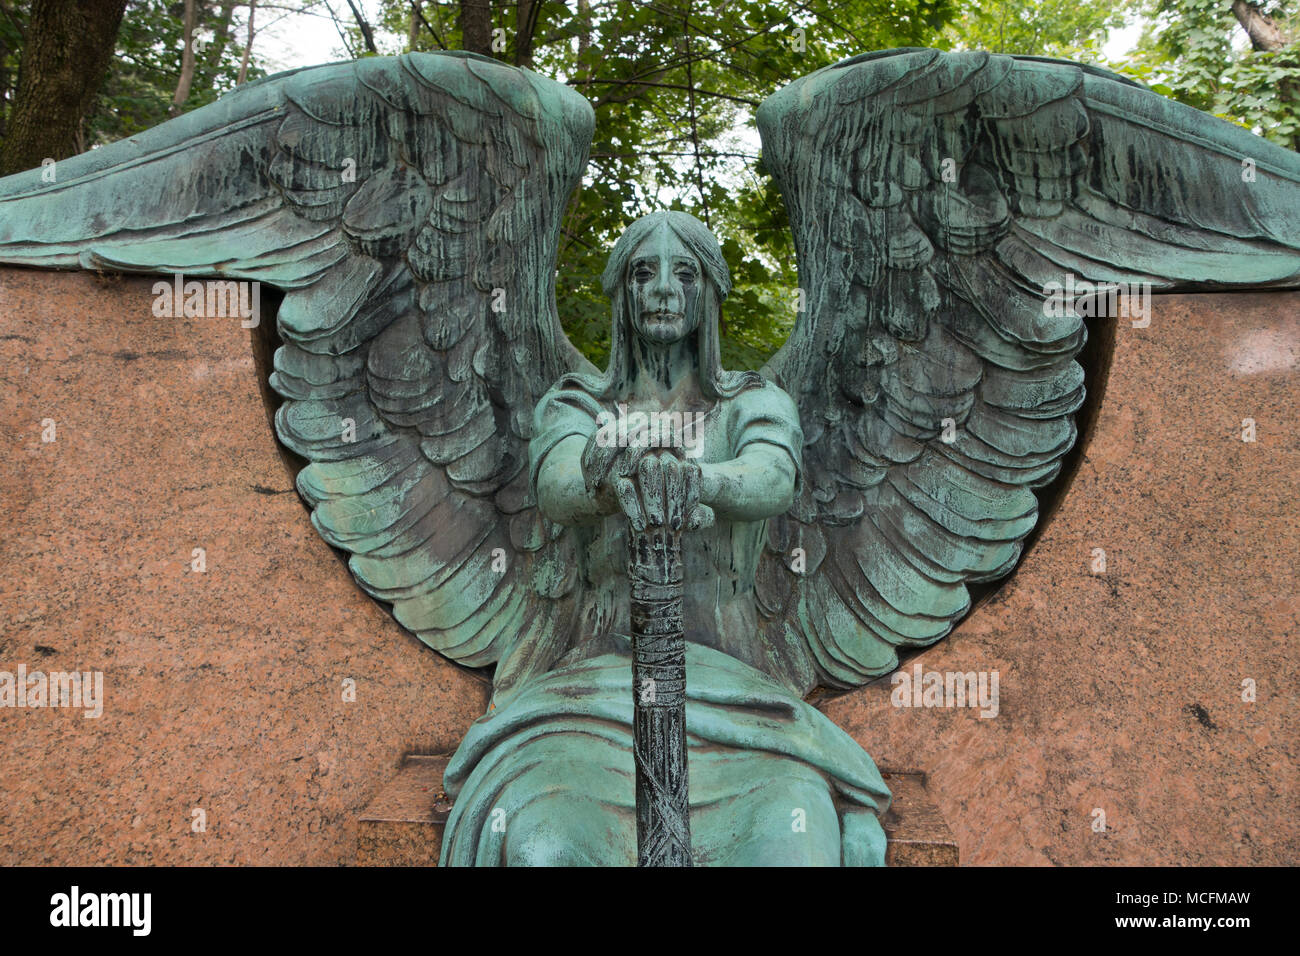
<point>833,508</point>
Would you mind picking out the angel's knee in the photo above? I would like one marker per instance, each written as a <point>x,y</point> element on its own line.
<point>545,848</point>
<point>568,830</point>
<point>791,823</point>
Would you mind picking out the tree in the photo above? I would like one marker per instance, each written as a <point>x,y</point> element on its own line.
<point>1234,58</point>
<point>1075,29</point>
<point>147,71</point>
<point>476,26</point>
<point>67,47</point>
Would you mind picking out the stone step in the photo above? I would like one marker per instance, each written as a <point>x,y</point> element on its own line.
<point>915,829</point>
<point>403,825</point>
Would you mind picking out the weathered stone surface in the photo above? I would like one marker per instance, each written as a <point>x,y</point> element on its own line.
<point>223,689</point>
<point>1119,691</point>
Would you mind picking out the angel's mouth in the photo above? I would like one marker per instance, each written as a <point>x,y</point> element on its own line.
<point>665,316</point>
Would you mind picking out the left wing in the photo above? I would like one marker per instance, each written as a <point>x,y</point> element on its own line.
<point>938,202</point>
<point>410,208</point>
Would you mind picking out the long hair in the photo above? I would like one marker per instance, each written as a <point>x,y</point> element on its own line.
<point>715,381</point>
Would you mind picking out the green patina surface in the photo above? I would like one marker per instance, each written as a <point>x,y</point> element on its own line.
<point>838,505</point>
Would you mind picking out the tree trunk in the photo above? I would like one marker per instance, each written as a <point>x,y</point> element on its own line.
<point>182,93</point>
<point>4,70</point>
<point>1263,30</point>
<point>526,26</point>
<point>1267,37</point>
<point>69,46</point>
<point>221,37</point>
<point>476,26</point>
<point>248,44</point>
<point>4,90</point>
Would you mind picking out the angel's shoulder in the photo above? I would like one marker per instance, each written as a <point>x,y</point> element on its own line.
<point>567,408</point>
<point>764,413</point>
<point>763,400</point>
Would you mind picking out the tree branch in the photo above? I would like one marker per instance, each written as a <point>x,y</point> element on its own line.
<point>339,27</point>
<point>667,86</point>
<point>189,20</point>
<point>4,8</point>
<point>415,8</point>
<point>367,35</point>
<point>1264,33</point>
<point>695,126</point>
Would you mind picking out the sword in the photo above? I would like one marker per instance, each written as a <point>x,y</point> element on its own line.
<point>663,831</point>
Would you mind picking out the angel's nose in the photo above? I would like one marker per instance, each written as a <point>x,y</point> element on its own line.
<point>662,286</point>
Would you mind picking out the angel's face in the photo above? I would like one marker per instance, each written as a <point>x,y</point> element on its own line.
<point>664,281</point>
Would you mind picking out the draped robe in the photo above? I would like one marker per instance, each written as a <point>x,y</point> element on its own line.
<point>547,775</point>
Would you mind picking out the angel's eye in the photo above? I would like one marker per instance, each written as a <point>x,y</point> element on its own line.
<point>686,275</point>
<point>642,274</point>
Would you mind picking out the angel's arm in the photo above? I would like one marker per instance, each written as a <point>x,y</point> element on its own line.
<point>757,484</point>
<point>562,494</point>
<point>762,478</point>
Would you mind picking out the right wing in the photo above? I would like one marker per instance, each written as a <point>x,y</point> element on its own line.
<point>936,199</point>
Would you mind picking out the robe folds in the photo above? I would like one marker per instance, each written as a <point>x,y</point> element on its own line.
<point>558,758</point>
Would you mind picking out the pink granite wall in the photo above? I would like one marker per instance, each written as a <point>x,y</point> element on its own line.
<point>1122,691</point>
<point>224,689</point>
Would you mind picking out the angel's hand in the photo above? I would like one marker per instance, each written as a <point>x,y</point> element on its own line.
<point>598,460</point>
<point>603,465</point>
<point>664,491</point>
